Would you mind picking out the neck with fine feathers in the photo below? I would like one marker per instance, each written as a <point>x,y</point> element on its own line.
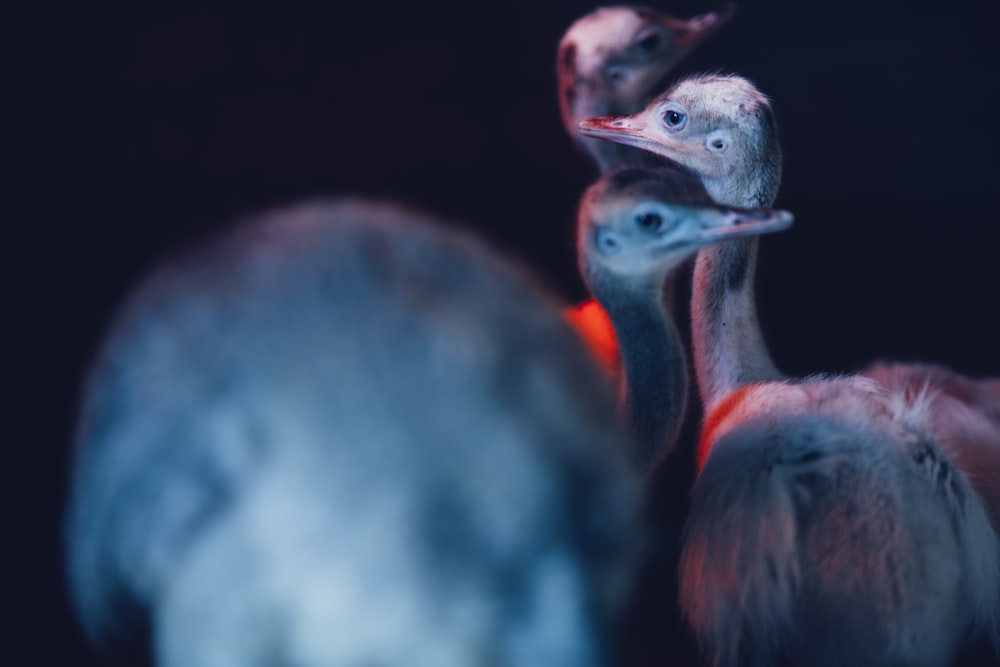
<point>729,349</point>
<point>728,345</point>
<point>654,383</point>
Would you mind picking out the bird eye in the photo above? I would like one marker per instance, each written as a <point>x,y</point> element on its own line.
<point>649,221</point>
<point>674,118</point>
<point>648,42</point>
<point>616,74</point>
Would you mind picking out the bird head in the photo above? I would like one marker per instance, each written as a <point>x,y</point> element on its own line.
<point>639,225</point>
<point>720,127</point>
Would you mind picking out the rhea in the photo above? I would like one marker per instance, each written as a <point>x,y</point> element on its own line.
<point>827,526</point>
<point>614,59</point>
<point>348,434</point>
<point>964,412</point>
<point>637,227</point>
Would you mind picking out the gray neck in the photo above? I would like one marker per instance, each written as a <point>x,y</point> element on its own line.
<point>729,348</point>
<point>654,385</point>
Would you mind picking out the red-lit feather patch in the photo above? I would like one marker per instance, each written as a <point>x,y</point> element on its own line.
<point>594,326</point>
<point>714,419</point>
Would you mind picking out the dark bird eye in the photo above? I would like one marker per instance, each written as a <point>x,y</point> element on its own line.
<point>649,42</point>
<point>648,221</point>
<point>674,118</point>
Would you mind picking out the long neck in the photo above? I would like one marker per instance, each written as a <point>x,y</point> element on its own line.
<point>654,384</point>
<point>729,349</point>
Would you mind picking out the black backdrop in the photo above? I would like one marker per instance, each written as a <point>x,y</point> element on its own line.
<point>138,131</point>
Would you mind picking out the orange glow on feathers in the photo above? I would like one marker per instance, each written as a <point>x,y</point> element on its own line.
<point>714,419</point>
<point>594,326</point>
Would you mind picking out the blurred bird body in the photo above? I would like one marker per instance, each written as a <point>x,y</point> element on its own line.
<point>344,435</point>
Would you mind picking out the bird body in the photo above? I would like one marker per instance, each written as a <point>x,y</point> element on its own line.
<point>827,526</point>
<point>964,414</point>
<point>345,434</point>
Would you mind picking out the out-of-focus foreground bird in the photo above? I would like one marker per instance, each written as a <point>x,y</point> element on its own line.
<point>344,435</point>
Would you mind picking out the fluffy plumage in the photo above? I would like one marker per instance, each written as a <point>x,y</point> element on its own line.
<point>964,414</point>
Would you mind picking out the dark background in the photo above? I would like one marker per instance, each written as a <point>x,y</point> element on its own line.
<point>137,131</point>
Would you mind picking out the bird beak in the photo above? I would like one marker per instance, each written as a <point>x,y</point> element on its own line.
<point>628,130</point>
<point>693,31</point>
<point>721,224</point>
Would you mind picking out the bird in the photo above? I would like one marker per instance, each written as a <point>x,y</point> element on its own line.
<point>965,412</point>
<point>827,524</point>
<point>345,432</point>
<point>669,215</point>
<point>614,59</point>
